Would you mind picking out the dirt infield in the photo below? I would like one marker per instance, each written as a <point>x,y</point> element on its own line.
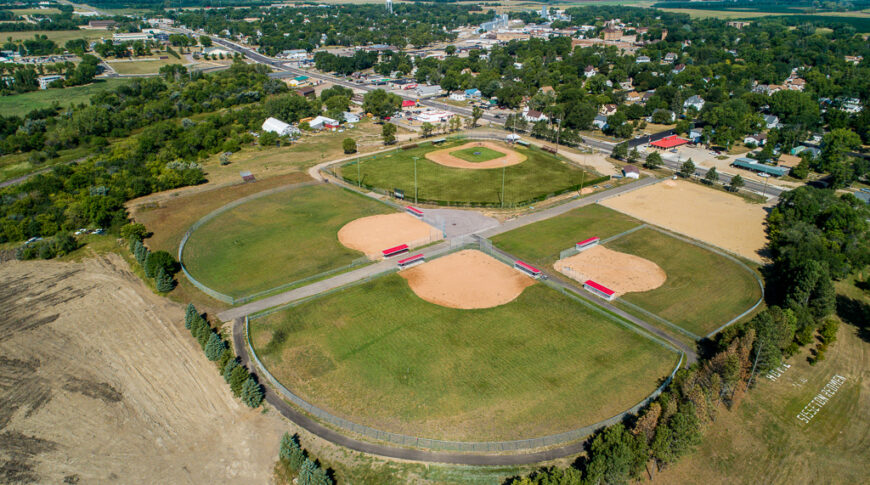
<point>444,157</point>
<point>468,279</point>
<point>101,383</point>
<point>714,217</point>
<point>373,234</point>
<point>621,272</point>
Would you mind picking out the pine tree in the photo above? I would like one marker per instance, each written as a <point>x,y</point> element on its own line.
<point>214,348</point>
<point>291,452</point>
<point>306,474</point>
<point>320,477</point>
<point>228,369</point>
<point>238,376</point>
<point>226,356</point>
<point>163,281</point>
<point>190,315</point>
<point>204,334</point>
<point>149,268</point>
<point>252,393</point>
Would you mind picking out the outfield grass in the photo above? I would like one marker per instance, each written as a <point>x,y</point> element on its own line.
<point>541,174</point>
<point>477,154</point>
<point>276,239</point>
<point>21,104</point>
<point>542,242</point>
<point>379,355</point>
<point>703,290</point>
<point>142,67</point>
<point>60,37</point>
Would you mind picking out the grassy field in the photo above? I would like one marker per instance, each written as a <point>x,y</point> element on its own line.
<point>541,174</point>
<point>379,355</point>
<point>477,155</point>
<point>703,290</point>
<point>542,242</point>
<point>762,441</point>
<point>18,164</point>
<point>21,104</point>
<point>58,36</point>
<point>276,239</point>
<point>142,67</point>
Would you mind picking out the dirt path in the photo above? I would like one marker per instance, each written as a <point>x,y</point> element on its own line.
<point>445,157</point>
<point>467,279</point>
<point>100,382</point>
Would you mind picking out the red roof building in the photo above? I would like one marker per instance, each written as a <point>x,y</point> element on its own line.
<point>407,103</point>
<point>669,142</point>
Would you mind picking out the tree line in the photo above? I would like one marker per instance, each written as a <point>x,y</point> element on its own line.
<point>295,464</point>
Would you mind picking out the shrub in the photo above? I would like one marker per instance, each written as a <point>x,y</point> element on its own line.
<point>828,331</point>
<point>349,145</point>
<point>160,259</point>
<point>134,231</point>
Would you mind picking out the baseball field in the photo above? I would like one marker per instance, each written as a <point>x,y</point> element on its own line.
<point>378,354</point>
<point>276,239</point>
<point>701,291</point>
<point>466,174</point>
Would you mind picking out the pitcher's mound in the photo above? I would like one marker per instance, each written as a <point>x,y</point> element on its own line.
<point>373,234</point>
<point>445,157</point>
<point>468,279</point>
<point>621,272</point>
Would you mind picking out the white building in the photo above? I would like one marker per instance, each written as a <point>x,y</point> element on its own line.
<point>350,117</point>
<point>428,91</point>
<point>132,37</point>
<point>434,116</point>
<point>322,122</point>
<point>458,96</point>
<point>695,101</point>
<point>45,81</point>
<point>274,125</point>
<point>533,116</point>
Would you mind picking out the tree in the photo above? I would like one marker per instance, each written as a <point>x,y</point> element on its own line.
<point>163,281</point>
<point>633,155</point>
<point>268,139</point>
<point>620,151</point>
<point>712,176</point>
<point>291,452</point>
<point>228,369</point>
<point>215,347</point>
<point>238,376</point>
<point>160,260</point>
<point>687,169</point>
<point>381,103</point>
<point>736,183</point>
<point>307,472</point>
<point>189,315</point>
<point>389,133</point>
<point>205,41</point>
<point>252,393</point>
<point>134,231</point>
<point>348,145</point>
<point>427,129</point>
<point>476,113</point>
<point>654,160</point>
<point>616,456</point>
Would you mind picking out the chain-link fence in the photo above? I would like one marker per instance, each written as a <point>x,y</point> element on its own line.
<point>444,445</point>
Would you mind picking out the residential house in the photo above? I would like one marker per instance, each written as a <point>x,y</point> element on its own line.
<point>771,122</point>
<point>589,71</point>
<point>695,101</point>
<point>457,96</point>
<point>548,90</point>
<point>633,97</point>
<point>631,172</point>
<point>852,105</point>
<point>696,135</point>
<point>472,93</point>
<point>757,140</point>
<point>647,95</point>
<point>670,58</point>
<point>306,92</point>
<point>600,122</point>
<point>642,59</point>
<point>678,68</point>
<point>534,116</point>
<point>626,85</point>
<point>274,125</point>
<point>350,117</point>
<point>608,109</point>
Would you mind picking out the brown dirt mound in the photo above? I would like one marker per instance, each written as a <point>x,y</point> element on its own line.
<point>373,234</point>
<point>468,279</point>
<point>443,157</point>
<point>621,272</point>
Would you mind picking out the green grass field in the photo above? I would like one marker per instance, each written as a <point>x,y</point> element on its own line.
<point>58,36</point>
<point>703,290</point>
<point>379,355</point>
<point>541,242</point>
<point>142,67</point>
<point>21,104</point>
<point>276,239</point>
<point>477,155</point>
<point>541,174</point>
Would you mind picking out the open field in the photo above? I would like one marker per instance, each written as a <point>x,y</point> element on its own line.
<point>714,217</point>
<point>276,239</point>
<point>541,174</point>
<point>100,382</point>
<point>60,37</point>
<point>540,243</point>
<point>703,290</point>
<point>142,67</point>
<point>21,104</point>
<point>34,11</point>
<point>379,355</point>
<point>762,440</point>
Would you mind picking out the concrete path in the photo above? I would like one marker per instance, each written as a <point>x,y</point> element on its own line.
<point>308,424</point>
<point>457,222</point>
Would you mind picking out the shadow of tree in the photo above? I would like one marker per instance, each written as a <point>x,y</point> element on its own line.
<point>855,312</point>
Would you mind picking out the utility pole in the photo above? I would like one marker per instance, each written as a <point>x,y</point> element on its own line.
<point>503,168</point>
<point>358,178</point>
<point>752,374</point>
<point>415,179</point>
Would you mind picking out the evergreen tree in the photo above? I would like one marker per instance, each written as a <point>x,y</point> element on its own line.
<point>238,376</point>
<point>228,369</point>
<point>252,393</point>
<point>291,452</point>
<point>226,357</point>
<point>163,281</point>
<point>189,315</point>
<point>148,265</point>
<point>204,334</point>
<point>214,348</point>
<point>306,474</point>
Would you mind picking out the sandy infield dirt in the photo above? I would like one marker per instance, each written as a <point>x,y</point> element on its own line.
<point>101,383</point>
<point>443,157</point>
<point>702,213</point>
<point>468,279</point>
<point>621,272</point>
<point>373,234</point>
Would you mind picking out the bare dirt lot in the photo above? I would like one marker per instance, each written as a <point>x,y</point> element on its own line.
<point>373,234</point>
<point>714,217</point>
<point>100,383</point>
<point>621,272</point>
<point>467,279</point>
<point>444,157</point>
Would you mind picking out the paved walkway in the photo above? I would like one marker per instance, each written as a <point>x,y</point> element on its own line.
<point>338,438</point>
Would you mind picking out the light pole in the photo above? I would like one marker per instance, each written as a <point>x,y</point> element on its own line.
<point>764,190</point>
<point>358,178</point>
<point>503,168</point>
<point>415,179</point>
